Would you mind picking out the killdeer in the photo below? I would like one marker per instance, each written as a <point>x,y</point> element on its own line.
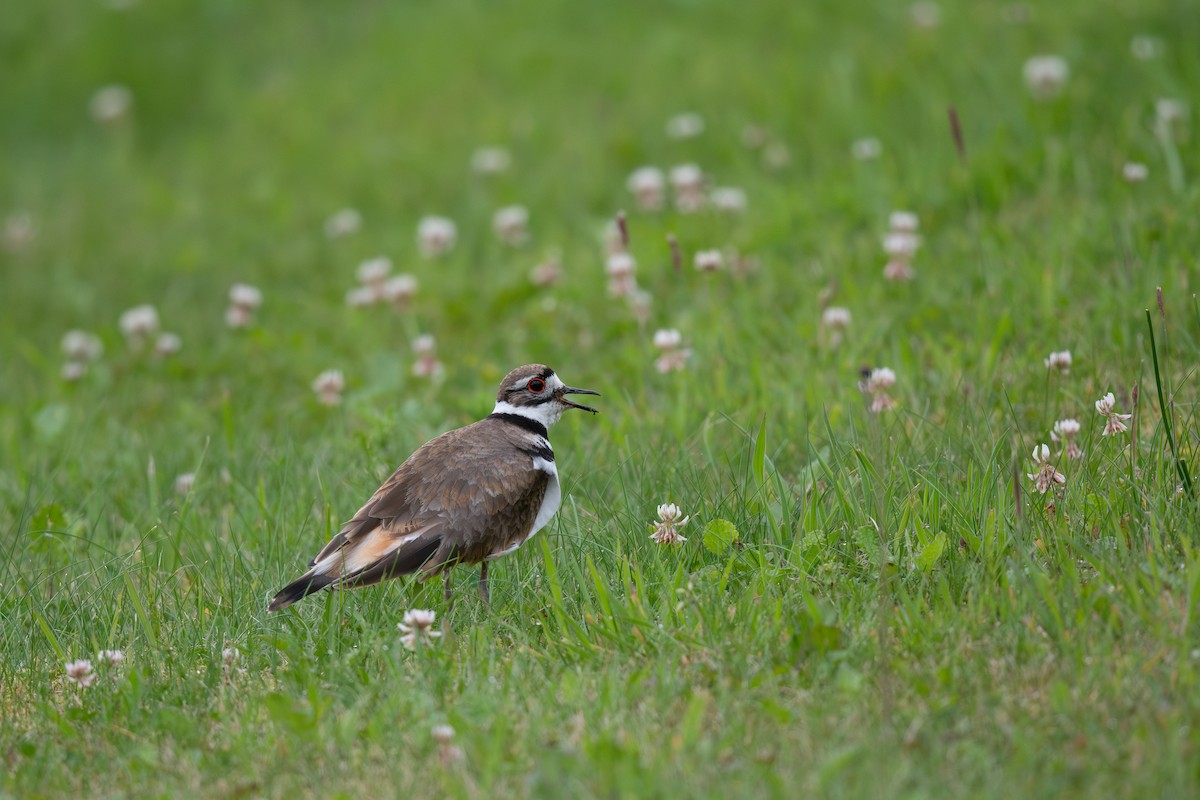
<point>466,497</point>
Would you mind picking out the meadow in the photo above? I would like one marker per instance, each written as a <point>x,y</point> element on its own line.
<point>887,587</point>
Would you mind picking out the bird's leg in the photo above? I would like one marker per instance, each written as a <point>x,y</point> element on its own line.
<point>446,586</point>
<point>483,586</point>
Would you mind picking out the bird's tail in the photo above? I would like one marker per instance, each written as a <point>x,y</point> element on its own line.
<point>368,559</point>
<point>301,587</point>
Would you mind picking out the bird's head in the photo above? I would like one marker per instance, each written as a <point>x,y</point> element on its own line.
<point>534,391</point>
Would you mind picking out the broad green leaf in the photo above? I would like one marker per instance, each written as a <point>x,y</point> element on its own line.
<point>931,552</point>
<point>719,535</point>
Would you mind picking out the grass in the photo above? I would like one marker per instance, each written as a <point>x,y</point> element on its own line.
<point>889,609</point>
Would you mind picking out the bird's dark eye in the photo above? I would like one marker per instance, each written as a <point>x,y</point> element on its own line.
<point>536,385</point>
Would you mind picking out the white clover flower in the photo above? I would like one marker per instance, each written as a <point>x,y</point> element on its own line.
<point>490,160</point>
<point>876,385</point>
<point>238,316</point>
<point>687,180</point>
<point>424,345</point>
<point>901,244</point>
<point>1065,431</point>
<point>139,323</point>
<point>648,186</point>
<point>243,300</point>
<point>374,271</point>
<point>111,104</point>
<point>673,356</point>
<point>620,268</point>
<point>669,512</point>
<point>899,271</point>
<point>360,297</point>
<point>1046,75</point>
<point>1059,361</point>
<point>448,752</point>
<point>1114,423</point>
<point>82,346</point>
<point>903,221</point>
<point>925,14</point>
<point>1134,172</point>
<point>666,528</point>
<point>1168,110</point>
<point>185,482</point>
<point>80,672</point>
<point>881,379</point>
<point>837,317</point>
<point>834,321</point>
<point>672,360</point>
<point>329,386</point>
<point>620,265</point>
<point>776,155</point>
<point>868,148</point>
<point>436,235</point>
<point>399,291</point>
<point>167,344</point>
<point>417,628</point>
<point>245,295</point>
<point>427,364</point>
<point>881,402</point>
<point>547,273</point>
<point>73,371</point>
<point>708,260</point>
<point>511,224</point>
<point>686,176</point>
<point>110,658</point>
<point>1046,475</point>
<point>342,223</point>
<point>728,199</point>
<point>667,339</point>
<point>19,231</point>
<point>639,305</point>
<point>688,125</point>
<point>1145,48</point>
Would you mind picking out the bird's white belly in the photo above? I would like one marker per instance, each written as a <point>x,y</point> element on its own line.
<point>550,504</point>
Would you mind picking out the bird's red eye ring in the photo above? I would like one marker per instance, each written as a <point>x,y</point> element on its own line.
<point>536,385</point>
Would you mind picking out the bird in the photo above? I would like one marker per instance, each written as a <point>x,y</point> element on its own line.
<point>471,495</point>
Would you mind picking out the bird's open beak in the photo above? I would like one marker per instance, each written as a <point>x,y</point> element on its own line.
<point>562,398</point>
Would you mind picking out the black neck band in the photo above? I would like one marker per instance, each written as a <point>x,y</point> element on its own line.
<point>531,425</point>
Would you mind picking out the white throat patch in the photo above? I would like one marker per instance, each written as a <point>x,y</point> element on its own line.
<point>546,413</point>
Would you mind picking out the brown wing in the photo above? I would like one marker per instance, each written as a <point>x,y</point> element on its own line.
<point>475,488</point>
